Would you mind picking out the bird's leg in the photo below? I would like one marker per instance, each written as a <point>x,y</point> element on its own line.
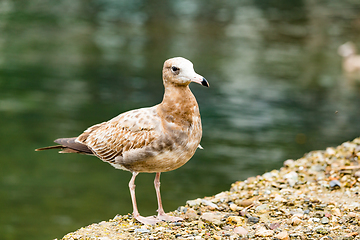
<point>145,220</point>
<point>161,213</point>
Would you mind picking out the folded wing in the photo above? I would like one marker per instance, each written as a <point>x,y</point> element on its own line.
<point>131,130</point>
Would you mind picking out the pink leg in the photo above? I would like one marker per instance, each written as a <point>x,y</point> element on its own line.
<point>161,213</point>
<point>136,215</point>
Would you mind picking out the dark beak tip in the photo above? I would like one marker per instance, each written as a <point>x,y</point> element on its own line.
<point>205,83</point>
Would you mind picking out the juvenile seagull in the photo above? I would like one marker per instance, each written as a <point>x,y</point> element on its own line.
<point>154,140</point>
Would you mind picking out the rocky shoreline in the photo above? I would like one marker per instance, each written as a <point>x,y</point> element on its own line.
<point>314,197</point>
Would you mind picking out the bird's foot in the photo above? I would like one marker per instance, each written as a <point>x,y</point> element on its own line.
<point>165,217</point>
<point>147,220</point>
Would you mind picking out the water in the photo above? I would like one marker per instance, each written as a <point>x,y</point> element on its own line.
<point>277,91</point>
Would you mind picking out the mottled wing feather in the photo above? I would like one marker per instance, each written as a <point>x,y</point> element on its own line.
<point>131,130</point>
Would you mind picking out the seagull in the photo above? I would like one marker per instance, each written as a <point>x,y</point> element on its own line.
<point>152,140</point>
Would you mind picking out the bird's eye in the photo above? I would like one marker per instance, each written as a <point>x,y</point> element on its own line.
<point>175,69</point>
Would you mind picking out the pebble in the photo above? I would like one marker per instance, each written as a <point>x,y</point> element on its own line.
<point>212,217</point>
<point>325,220</point>
<point>315,219</point>
<point>241,231</point>
<point>292,178</point>
<point>321,230</point>
<point>193,203</point>
<point>336,212</point>
<point>104,238</point>
<point>235,219</point>
<point>141,230</point>
<point>335,184</point>
<point>210,204</point>
<point>295,221</point>
<point>233,207</point>
<point>263,232</point>
<point>182,209</point>
<point>253,219</point>
<point>289,163</point>
<point>262,208</point>
<point>274,225</point>
<point>191,215</point>
<point>244,203</point>
<point>282,235</point>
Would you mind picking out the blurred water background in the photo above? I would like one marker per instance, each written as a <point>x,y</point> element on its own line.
<point>277,91</point>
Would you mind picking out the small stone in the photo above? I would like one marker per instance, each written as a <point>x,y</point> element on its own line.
<point>244,203</point>
<point>242,213</point>
<point>295,221</point>
<point>325,220</point>
<point>191,215</point>
<point>289,163</point>
<point>336,212</point>
<point>275,225</point>
<point>321,230</point>
<point>326,238</point>
<point>216,237</point>
<point>320,206</point>
<point>253,219</point>
<point>233,207</point>
<point>357,174</point>
<point>193,203</point>
<point>282,235</point>
<point>292,178</point>
<point>213,217</point>
<point>176,223</point>
<point>241,231</point>
<point>335,184</point>
<point>315,219</point>
<point>142,230</point>
<point>330,151</point>
<point>279,199</point>
<point>210,204</point>
<point>261,208</point>
<point>295,235</point>
<point>263,232</point>
<point>235,219</point>
<point>182,209</point>
<point>267,175</point>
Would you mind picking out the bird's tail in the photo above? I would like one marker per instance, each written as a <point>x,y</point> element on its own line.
<point>68,145</point>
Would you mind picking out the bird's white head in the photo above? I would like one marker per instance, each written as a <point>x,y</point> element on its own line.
<point>180,71</point>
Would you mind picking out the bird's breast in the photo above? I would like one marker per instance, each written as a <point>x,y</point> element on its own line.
<point>172,149</point>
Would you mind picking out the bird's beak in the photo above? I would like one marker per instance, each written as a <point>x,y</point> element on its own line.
<point>200,80</point>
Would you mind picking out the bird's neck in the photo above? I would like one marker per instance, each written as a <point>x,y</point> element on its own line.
<point>179,104</point>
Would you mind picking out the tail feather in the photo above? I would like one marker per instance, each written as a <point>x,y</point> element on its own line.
<point>50,147</point>
<point>68,145</point>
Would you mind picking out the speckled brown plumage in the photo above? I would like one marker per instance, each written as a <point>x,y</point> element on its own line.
<point>154,139</point>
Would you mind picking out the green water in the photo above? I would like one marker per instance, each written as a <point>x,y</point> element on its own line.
<point>277,91</point>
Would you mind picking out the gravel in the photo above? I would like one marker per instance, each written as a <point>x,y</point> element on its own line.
<point>314,197</point>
